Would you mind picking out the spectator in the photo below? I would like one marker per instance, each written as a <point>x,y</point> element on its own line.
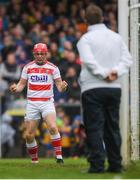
<point>7,135</point>
<point>4,22</point>
<point>3,86</point>
<point>48,17</point>
<point>79,136</point>
<point>21,58</point>
<point>3,89</point>
<point>8,46</point>
<point>46,141</point>
<point>9,70</point>
<point>55,56</point>
<point>18,33</point>
<point>15,7</point>
<point>73,94</point>
<point>65,131</point>
<point>34,35</point>
<point>69,60</point>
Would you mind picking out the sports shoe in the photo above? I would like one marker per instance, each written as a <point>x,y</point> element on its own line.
<point>59,161</point>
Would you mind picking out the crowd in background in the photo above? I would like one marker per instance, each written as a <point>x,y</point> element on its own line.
<point>60,25</point>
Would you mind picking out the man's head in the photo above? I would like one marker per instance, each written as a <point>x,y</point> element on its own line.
<point>94,14</point>
<point>40,53</point>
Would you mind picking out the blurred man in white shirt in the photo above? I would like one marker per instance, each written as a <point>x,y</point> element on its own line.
<point>105,58</point>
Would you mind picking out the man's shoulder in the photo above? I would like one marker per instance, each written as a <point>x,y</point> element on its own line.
<point>114,33</point>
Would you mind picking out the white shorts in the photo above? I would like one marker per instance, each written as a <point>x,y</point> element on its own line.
<point>34,109</point>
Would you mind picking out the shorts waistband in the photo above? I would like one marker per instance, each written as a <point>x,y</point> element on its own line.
<point>38,99</point>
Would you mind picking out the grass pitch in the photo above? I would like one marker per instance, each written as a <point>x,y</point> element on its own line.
<point>48,169</point>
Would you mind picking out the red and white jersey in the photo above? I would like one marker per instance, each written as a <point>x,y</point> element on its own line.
<point>40,80</point>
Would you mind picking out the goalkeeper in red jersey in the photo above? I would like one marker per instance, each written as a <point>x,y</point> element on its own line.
<point>40,75</point>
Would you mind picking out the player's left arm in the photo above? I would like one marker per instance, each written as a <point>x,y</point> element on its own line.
<point>61,85</point>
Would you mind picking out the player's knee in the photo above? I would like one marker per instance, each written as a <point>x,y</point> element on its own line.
<point>53,130</point>
<point>29,136</point>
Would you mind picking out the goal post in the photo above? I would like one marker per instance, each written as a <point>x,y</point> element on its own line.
<point>134,77</point>
<point>128,25</point>
<point>123,14</point>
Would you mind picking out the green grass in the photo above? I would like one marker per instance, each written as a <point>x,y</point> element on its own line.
<point>48,169</point>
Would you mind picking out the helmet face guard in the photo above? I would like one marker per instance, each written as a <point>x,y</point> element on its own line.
<point>40,53</point>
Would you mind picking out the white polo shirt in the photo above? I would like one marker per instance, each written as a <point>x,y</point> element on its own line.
<point>101,51</point>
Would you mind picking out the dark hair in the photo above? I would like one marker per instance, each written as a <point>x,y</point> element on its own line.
<point>94,14</point>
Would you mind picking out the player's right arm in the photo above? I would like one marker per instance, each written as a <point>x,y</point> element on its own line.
<point>19,86</point>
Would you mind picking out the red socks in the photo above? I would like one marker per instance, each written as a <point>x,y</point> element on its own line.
<point>33,151</point>
<point>56,143</point>
<point>33,148</point>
